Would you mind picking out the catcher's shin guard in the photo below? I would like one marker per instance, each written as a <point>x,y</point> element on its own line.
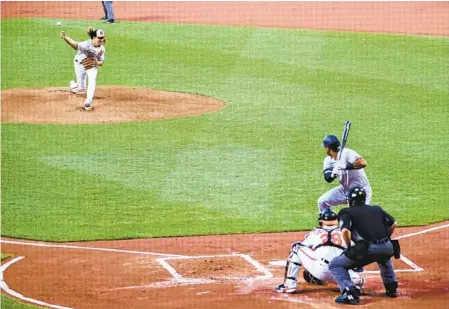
<point>292,269</point>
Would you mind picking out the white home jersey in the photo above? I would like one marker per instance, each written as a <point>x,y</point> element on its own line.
<point>348,178</point>
<point>86,49</point>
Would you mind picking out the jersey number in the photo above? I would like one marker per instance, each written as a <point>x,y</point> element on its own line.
<point>335,238</point>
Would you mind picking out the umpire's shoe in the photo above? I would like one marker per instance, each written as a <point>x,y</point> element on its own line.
<point>350,296</point>
<point>391,289</point>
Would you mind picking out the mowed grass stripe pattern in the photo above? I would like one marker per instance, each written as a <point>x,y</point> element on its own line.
<point>254,166</point>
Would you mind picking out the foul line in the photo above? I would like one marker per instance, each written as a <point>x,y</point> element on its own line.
<point>13,293</point>
<point>87,248</point>
<point>423,231</point>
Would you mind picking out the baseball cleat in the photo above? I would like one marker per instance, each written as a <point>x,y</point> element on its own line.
<point>73,86</point>
<point>282,288</point>
<point>391,289</point>
<point>350,296</point>
<point>87,106</point>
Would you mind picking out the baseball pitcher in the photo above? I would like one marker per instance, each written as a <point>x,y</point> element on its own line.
<point>319,247</point>
<point>90,55</point>
<point>349,170</point>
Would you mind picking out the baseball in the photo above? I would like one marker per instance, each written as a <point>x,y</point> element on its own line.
<point>58,23</point>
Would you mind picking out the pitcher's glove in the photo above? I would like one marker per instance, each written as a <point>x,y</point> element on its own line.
<point>89,63</point>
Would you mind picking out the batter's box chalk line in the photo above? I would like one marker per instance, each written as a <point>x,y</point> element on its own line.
<point>413,266</point>
<point>177,277</point>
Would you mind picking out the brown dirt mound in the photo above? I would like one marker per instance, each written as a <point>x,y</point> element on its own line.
<point>112,104</point>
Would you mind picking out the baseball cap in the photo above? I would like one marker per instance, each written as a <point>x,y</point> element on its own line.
<point>100,33</point>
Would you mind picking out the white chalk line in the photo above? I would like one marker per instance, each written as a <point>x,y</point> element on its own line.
<point>413,266</point>
<point>13,293</point>
<point>423,231</point>
<point>177,276</point>
<point>302,299</point>
<point>87,248</point>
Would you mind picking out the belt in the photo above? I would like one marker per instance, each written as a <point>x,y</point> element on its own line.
<point>381,241</point>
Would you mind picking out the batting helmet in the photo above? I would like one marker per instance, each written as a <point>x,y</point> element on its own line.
<point>357,196</point>
<point>331,141</point>
<point>327,215</point>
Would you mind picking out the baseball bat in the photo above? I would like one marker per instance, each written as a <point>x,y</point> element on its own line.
<point>344,138</point>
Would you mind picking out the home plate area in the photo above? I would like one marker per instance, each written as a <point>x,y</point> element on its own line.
<point>214,268</point>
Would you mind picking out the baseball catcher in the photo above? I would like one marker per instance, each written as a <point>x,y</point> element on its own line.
<point>319,247</point>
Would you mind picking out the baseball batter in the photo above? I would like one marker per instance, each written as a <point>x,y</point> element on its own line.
<point>90,55</point>
<point>349,171</point>
<point>319,247</point>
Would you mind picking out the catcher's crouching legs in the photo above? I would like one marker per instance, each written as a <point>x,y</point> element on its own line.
<point>292,269</point>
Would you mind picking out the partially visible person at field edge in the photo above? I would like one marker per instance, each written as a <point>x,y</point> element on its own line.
<point>90,55</point>
<point>349,170</point>
<point>370,228</point>
<point>108,17</point>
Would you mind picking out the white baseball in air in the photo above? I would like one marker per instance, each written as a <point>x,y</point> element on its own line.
<point>58,23</point>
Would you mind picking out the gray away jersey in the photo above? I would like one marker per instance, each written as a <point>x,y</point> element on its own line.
<point>348,178</point>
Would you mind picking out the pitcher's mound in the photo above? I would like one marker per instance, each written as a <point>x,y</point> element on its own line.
<point>112,104</point>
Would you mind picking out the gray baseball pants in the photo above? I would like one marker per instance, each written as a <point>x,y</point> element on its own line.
<point>337,196</point>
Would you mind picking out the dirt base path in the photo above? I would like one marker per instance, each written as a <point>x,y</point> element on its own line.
<point>231,271</point>
<point>426,18</point>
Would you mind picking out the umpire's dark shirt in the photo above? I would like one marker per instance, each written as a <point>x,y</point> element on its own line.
<point>371,222</point>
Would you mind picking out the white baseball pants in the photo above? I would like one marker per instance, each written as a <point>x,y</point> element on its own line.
<point>83,76</point>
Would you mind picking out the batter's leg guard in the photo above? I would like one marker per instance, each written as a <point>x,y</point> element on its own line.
<point>391,289</point>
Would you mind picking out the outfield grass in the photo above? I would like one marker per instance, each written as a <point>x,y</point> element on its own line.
<point>254,166</point>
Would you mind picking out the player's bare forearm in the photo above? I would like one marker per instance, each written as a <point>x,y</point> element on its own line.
<point>358,164</point>
<point>69,40</point>
<point>392,228</point>
<point>346,234</point>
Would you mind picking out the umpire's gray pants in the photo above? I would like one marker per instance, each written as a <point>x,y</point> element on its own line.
<point>339,266</point>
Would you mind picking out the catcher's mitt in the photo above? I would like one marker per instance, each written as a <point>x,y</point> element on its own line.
<point>89,63</point>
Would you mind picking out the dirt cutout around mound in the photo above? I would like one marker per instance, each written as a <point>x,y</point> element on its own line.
<point>112,104</point>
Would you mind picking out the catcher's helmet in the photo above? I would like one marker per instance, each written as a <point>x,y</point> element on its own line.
<point>331,141</point>
<point>357,195</point>
<point>327,215</point>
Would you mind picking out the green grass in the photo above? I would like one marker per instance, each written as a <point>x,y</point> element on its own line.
<point>5,256</point>
<point>8,303</point>
<point>254,166</point>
